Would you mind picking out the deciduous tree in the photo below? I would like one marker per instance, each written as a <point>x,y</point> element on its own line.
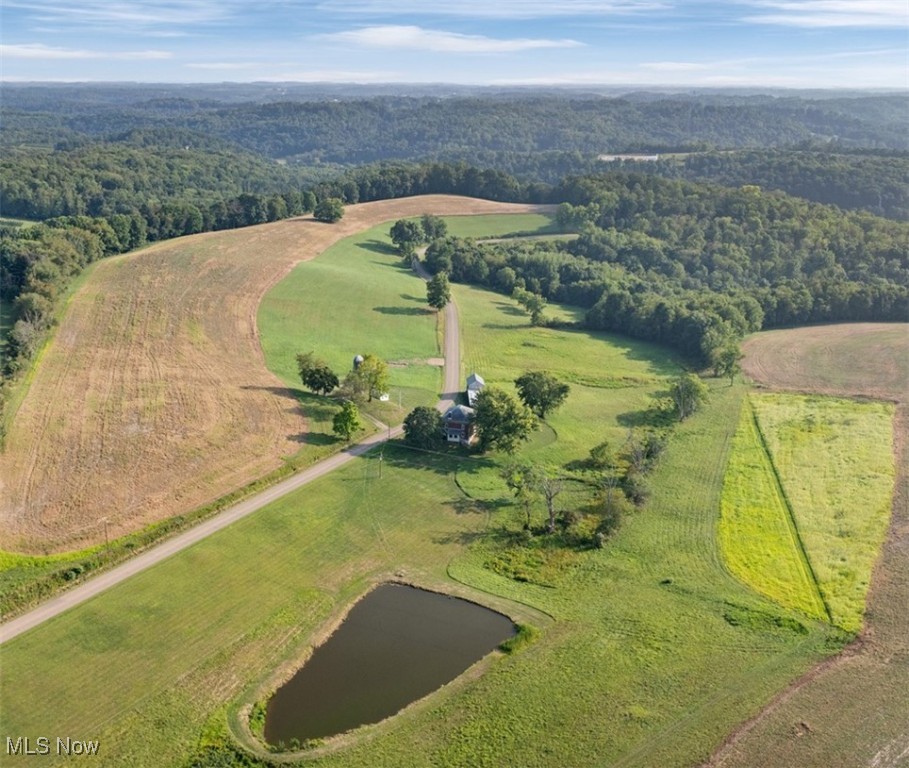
<point>406,236</point>
<point>438,291</point>
<point>330,210</point>
<point>502,422</point>
<point>433,227</point>
<point>688,393</point>
<point>368,379</point>
<point>346,421</point>
<point>541,392</point>
<point>423,427</point>
<point>727,361</point>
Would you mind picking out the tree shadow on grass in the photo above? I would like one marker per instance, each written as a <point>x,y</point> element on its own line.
<point>468,506</point>
<point>315,438</point>
<point>659,414</point>
<point>464,538</point>
<point>377,246</point>
<point>288,392</point>
<point>510,309</point>
<point>417,299</point>
<point>412,311</point>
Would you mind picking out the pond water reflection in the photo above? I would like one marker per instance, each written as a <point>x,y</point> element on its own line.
<point>396,645</point>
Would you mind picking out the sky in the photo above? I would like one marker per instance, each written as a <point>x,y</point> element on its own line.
<point>691,43</point>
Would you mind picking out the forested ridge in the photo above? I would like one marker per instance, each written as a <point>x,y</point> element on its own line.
<point>354,131</point>
<point>697,266</point>
<point>661,254</point>
<point>73,150</point>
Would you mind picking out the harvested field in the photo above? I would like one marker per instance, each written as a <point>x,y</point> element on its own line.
<point>153,397</point>
<point>867,359</point>
<point>851,710</point>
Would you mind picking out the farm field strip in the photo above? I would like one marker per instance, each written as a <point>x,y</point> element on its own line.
<point>757,533</point>
<point>157,364</point>
<point>834,460</point>
<point>824,718</point>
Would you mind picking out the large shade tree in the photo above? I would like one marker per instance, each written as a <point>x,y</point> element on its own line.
<point>423,427</point>
<point>438,291</point>
<point>541,392</point>
<point>502,422</point>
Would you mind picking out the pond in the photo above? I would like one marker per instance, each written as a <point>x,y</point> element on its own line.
<point>396,645</point>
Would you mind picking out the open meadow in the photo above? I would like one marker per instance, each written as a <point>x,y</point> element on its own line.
<point>648,651</point>
<point>152,397</point>
<point>381,310</point>
<point>851,710</point>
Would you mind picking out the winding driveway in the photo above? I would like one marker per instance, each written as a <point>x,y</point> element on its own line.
<point>102,582</point>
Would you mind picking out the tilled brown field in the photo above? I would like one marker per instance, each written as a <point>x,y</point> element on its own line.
<point>153,397</point>
<point>854,709</point>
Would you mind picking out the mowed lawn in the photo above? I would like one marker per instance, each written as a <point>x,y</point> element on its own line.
<point>361,297</point>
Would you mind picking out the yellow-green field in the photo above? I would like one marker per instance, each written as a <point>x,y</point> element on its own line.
<point>834,459</point>
<point>759,539</point>
<point>851,711</point>
<point>806,501</point>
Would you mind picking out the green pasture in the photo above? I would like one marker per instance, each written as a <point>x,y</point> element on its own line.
<point>759,540</point>
<point>649,651</point>
<point>834,459</point>
<point>502,225</point>
<point>615,381</point>
<point>653,655</point>
<point>358,297</point>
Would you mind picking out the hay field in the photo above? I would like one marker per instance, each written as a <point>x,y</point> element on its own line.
<point>153,397</point>
<point>849,359</point>
<point>853,709</point>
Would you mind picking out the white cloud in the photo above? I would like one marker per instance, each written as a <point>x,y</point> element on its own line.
<point>499,9</point>
<point>137,13</point>
<point>219,66</point>
<point>419,39</point>
<point>48,53</point>
<point>893,14</point>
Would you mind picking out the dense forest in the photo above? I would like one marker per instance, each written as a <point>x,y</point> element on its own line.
<point>355,131</point>
<point>99,150</point>
<point>696,266</point>
<point>692,249</point>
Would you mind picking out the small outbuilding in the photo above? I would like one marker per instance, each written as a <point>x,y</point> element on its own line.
<point>459,424</point>
<point>475,384</point>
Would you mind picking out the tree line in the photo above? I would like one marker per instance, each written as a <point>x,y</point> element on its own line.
<point>695,266</point>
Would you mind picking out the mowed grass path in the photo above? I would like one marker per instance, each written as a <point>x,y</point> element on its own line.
<point>834,459</point>
<point>758,535</point>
